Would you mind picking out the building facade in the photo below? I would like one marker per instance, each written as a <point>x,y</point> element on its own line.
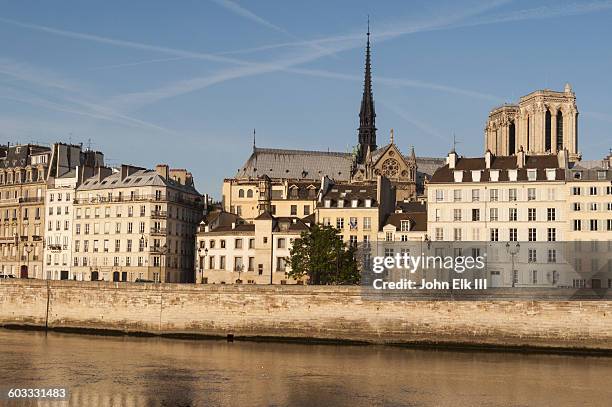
<point>133,224</point>
<point>69,166</point>
<point>543,122</point>
<point>23,175</point>
<point>232,251</point>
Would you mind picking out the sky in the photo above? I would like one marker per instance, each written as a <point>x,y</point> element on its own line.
<point>185,83</point>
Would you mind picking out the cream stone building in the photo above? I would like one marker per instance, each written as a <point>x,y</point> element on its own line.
<point>69,166</point>
<point>356,210</point>
<point>589,191</point>
<point>230,250</point>
<point>23,175</point>
<point>132,223</point>
<point>407,224</point>
<point>543,121</point>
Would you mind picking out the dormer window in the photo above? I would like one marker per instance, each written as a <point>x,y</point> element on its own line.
<point>405,226</point>
<point>328,203</point>
<point>340,203</point>
<point>354,203</point>
<point>551,174</point>
<point>368,203</point>
<point>458,176</point>
<point>601,174</point>
<point>476,175</point>
<point>532,175</point>
<point>512,175</point>
<point>494,175</point>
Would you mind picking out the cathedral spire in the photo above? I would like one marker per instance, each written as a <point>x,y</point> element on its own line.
<point>367,115</point>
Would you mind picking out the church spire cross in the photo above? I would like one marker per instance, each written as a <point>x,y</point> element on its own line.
<point>367,114</point>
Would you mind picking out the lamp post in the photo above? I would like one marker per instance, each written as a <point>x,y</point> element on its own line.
<point>162,252</point>
<point>239,269</point>
<point>202,263</point>
<point>513,252</point>
<point>28,249</point>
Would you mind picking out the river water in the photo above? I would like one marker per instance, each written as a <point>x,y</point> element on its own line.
<point>128,371</point>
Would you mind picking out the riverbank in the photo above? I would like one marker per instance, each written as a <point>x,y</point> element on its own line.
<point>514,321</point>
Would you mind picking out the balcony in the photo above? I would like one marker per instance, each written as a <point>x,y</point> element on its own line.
<point>36,199</point>
<point>158,231</point>
<point>159,214</point>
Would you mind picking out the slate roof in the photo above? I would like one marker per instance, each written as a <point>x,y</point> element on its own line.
<point>139,178</point>
<point>418,220</point>
<point>10,157</point>
<point>503,163</point>
<point>349,192</point>
<point>297,164</point>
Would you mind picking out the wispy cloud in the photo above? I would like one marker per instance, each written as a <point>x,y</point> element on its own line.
<point>424,127</point>
<point>243,12</point>
<point>26,73</point>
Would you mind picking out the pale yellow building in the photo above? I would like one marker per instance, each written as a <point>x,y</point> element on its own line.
<point>23,182</point>
<point>132,223</point>
<point>230,250</point>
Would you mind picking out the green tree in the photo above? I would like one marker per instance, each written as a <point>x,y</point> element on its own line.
<point>322,256</point>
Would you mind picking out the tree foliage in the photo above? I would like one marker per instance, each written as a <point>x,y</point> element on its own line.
<point>320,255</point>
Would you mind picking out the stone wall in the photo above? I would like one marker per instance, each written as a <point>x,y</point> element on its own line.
<point>304,313</point>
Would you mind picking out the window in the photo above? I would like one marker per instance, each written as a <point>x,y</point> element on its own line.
<point>576,191</point>
<point>512,194</point>
<point>306,210</point>
<point>532,256</point>
<point>531,214</point>
<point>576,206</point>
<point>593,206</point>
<point>353,240</point>
<point>512,214</point>
<point>238,266</point>
<point>493,214</point>
<point>222,243</point>
<point>534,276</point>
<point>251,242</point>
<point>439,234</point>
<point>353,223</point>
<point>439,195</point>
<point>494,235</point>
<point>493,195</point>
<point>222,262</point>
<point>457,234</point>
<point>551,214</point>
<point>238,243</point>
<point>475,195</point>
<point>552,256</point>
<point>326,222</point>
<point>577,225</point>
<point>532,235</point>
<point>340,223</point>
<point>457,195</point>
<point>531,194</point>
<point>532,175</point>
<point>475,215</point>
<point>367,223</point>
<point>389,236</point>
<point>281,243</point>
<point>293,210</point>
<point>457,215</point>
<point>593,191</point>
<point>513,235</point>
<point>594,225</point>
<point>552,234</point>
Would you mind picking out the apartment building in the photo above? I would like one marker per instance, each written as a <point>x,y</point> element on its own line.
<point>507,199</point>
<point>589,189</point>
<point>23,175</point>
<point>132,223</point>
<point>248,198</point>
<point>69,166</point>
<point>407,224</point>
<point>230,250</point>
<point>357,210</point>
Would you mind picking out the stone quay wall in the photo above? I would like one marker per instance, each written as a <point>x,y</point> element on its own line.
<point>307,313</point>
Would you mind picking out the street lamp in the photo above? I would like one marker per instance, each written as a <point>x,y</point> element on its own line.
<point>239,269</point>
<point>162,252</point>
<point>513,252</point>
<point>28,249</point>
<point>202,262</point>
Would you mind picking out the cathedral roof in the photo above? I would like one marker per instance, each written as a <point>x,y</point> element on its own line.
<point>297,164</point>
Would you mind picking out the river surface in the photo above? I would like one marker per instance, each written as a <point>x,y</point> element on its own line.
<point>128,371</point>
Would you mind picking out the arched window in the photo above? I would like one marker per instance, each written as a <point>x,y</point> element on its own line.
<point>241,193</point>
<point>559,130</point>
<point>249,193</point>
<point>547,132</point>
<point>511,139</point>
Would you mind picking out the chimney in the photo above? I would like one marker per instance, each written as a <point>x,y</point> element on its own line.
<point>163,170</point>
<point>488,157</point>
<point>563,158</point>
<point>179,175</point>
<point>451,160</point>
<point>520,158</point>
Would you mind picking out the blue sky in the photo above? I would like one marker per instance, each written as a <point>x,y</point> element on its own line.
<point>186,82</point>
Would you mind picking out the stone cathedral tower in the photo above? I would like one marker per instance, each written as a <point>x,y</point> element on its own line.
<point>543,122</point>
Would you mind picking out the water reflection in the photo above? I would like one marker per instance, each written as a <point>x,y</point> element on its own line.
<point>121,371</point>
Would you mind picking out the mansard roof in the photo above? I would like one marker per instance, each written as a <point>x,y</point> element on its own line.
<point>297,164</point>
<point>418,220</point>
